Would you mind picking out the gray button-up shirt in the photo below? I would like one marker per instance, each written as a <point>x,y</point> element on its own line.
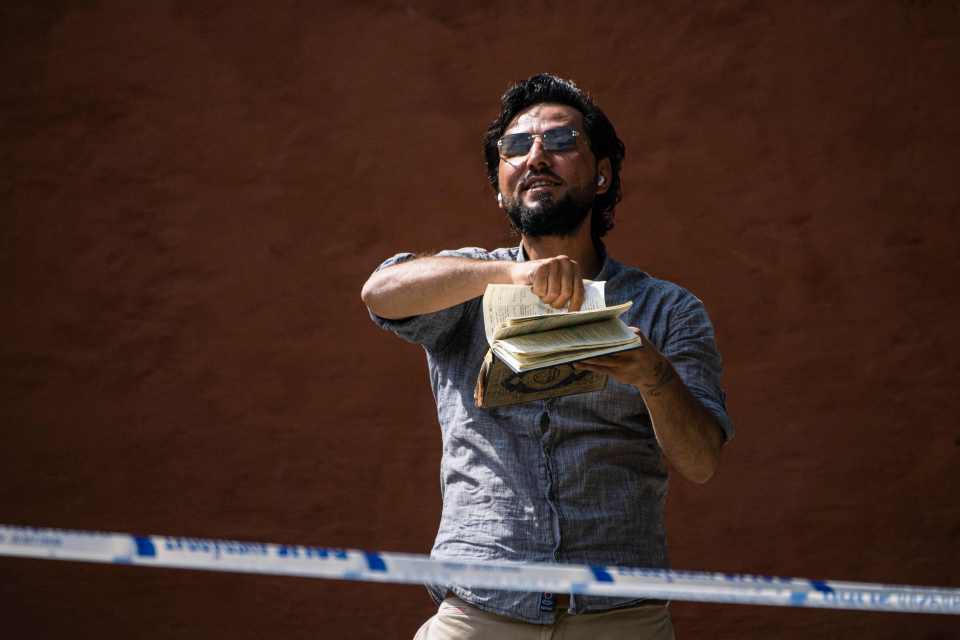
<point>576,479</point>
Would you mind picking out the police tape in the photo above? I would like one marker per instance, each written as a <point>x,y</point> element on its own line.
<point>372,566</point>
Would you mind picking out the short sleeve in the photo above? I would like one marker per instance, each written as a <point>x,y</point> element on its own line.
<point>432,330</point>
<point>692,349</point>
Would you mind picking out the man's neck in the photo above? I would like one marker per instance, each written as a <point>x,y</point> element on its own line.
<point>578,247</point>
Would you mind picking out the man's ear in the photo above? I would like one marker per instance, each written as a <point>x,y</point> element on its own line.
<point>605,172</point>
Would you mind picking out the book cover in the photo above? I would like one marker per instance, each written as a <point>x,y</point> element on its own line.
<point>498,385</point>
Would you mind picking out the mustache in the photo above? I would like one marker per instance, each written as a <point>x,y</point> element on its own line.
<point>537,175</point>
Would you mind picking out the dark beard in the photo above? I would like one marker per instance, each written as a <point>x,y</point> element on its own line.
<point>550,218</point>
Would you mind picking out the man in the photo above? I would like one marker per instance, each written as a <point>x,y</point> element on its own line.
<point>575,479</point>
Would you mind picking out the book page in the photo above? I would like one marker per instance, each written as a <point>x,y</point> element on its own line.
<point>518,366</point>
<point>597,334</point>
<point>514,327</point>
<point>504,301</point>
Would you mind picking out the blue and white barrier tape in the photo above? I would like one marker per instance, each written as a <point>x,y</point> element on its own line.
<point>370,566</point>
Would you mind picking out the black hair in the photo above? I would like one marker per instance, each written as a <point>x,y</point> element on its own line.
<point>604,143</point>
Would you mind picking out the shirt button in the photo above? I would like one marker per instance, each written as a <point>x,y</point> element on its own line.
<point>544,422</point>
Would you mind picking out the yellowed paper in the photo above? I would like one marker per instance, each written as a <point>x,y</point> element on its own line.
<point>521,366</point>
<point>503,302</point>
<point>595,335</point>
<point>548,323</point>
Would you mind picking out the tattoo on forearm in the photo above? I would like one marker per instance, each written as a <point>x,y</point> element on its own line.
<point>664,374</point>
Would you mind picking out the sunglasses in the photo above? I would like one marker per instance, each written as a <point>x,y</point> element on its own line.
<point>518,145</point>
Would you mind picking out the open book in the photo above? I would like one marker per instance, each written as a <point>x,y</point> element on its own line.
<point>527,334</point>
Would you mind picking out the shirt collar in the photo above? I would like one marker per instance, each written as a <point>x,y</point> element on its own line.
<point>607,270</point>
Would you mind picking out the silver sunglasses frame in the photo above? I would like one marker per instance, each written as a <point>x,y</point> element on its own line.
<point>533,136</point>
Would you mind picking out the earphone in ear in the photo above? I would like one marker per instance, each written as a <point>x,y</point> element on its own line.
<point>601,180</point>
<point>499,198</point>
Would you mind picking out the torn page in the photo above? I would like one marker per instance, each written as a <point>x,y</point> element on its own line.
<point>504,301</point>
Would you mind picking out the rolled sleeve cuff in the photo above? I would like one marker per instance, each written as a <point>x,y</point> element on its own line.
<point>717,409</point>
<point>430,330</point>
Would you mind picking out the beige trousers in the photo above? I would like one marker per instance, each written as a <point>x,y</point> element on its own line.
<point>457,620</point>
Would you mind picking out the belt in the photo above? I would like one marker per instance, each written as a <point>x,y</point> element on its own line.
<point>563,602</point>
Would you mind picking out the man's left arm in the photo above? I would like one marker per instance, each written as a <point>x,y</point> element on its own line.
<point>689,435</point>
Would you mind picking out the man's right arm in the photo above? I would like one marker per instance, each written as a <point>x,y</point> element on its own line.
<point>432,283</point>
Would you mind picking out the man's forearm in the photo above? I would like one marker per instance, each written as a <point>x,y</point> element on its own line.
<point>689,435</point>
<point>429,284</point>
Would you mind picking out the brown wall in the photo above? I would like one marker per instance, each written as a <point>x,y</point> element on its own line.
<point>192,197</point>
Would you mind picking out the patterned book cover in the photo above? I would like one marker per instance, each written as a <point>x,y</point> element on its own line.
<point>498,385</point>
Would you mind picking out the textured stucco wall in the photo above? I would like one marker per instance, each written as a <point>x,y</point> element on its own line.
<point>192,196</point>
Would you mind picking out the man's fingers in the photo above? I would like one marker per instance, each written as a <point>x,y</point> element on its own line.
<point>555,283</point>
<point>597,368</point>
<point>643,337</point>
<point>592,364</point>
<point>567,268</point>
<point>576,301</point>
<point>558,283</point>
<point>540,279</point>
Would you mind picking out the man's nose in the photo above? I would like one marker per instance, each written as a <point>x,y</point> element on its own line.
<point>537,157</point>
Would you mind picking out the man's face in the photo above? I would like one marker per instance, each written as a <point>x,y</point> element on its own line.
<point>549,192</point>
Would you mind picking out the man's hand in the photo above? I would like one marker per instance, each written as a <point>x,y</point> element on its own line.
<point>557,281</point>
<point>645,368</point>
